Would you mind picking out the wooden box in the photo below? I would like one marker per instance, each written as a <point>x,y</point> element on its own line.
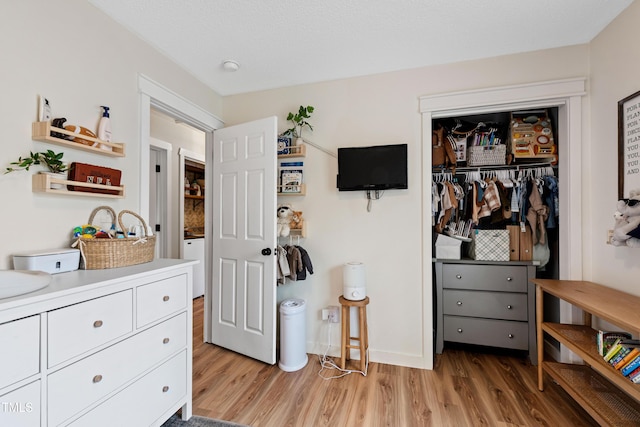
<point>520,243</point>
<point>93,174</point>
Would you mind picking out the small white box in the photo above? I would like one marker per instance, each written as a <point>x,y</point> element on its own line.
<point>448,247</point>
<point>50,261</point>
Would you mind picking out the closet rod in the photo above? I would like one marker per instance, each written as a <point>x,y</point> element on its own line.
<point>516,167</point>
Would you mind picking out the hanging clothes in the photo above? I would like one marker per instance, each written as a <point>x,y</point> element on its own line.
<point>293,263</point>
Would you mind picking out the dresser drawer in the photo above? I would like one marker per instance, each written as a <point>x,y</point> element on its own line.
<point>159,299</point>
<point>495,333</point>
<point>504,278</point>
<point>79,385</point>
<point>162,388</point>
<point>20,350</point>
<point>78,328</point>
<point>493,305</point>
<point>21,407</point>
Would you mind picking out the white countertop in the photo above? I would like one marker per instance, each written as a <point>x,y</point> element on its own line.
<point>86,280</point>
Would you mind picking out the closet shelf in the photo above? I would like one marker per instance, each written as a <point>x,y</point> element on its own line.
<point>516,166</point>
<point>41,131</point>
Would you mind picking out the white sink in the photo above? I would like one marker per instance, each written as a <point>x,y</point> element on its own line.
<point>18,282</point>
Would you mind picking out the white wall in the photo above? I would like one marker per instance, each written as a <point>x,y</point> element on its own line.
<point>368,111</point>
<point>614,71</point>
<point>79,59</point>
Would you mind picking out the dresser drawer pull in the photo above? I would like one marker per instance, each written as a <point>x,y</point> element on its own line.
<point>97,379</point>
<point>165,341</point>
<point>97,323</point>
<point>165,389</point>
<point>509,307</point>
<point>509,279</point>
<point>458,276</point>
<point>165,298</point>
<point>510,336</point>
<point>459,303</point>
<point>459,330</point>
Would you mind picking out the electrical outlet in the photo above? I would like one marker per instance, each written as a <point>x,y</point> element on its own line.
<point>334,314</point>
<point>331,313</point>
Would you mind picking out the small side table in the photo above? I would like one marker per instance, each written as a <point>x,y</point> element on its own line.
<point>363,339</point>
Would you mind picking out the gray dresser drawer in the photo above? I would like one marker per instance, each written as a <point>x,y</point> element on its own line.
<point>496,333</point>
<point>504,278</point>
<point>496,305</point>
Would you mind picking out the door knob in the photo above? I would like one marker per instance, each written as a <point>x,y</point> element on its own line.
<point>266,251</point>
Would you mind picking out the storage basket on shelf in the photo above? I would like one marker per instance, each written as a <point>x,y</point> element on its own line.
<point>486,155</point>
<point>105,253</point>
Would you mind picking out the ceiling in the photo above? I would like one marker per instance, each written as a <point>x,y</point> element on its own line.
<point>282,43</point>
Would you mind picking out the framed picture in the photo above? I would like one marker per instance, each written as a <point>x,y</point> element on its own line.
<point>628,144</point>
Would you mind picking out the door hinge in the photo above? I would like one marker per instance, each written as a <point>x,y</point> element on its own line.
<point>157,168</point>
<point>157,227</point>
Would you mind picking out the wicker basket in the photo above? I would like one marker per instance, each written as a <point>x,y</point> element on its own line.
<point>485,155</point>
<point>98,254</point>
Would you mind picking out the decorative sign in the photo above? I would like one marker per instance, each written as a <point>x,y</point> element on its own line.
<point>628,144</point>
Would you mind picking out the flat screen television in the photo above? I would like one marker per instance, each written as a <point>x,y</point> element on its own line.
<point>379,167</point>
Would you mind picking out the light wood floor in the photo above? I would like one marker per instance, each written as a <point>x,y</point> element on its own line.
<point>464,389</point>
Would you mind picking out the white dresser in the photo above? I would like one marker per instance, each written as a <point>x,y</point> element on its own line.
<point>99,348</point>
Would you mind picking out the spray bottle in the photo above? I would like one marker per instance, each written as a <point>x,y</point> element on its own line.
<point>104,129</point>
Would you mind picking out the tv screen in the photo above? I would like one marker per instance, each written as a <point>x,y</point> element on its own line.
<point>379,167</point>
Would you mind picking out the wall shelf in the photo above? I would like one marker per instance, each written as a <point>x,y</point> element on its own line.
<point>294,151</point>
<point>301,190</point>
<point>41,183</point>
<point>41,131</point>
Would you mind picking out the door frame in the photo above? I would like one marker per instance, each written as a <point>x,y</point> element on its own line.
<point>567,95</point>
<point>163,188</point>
<point>153,94</point>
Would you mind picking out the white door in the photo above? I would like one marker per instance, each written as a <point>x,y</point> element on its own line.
<point>241,170</point>
<point>158,199</point>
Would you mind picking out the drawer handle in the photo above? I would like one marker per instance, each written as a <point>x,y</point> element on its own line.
<point>165,341</point>
<point>510,336</point>
<point>459,330</point>
<point>165,298</point>
<point>97,379</point>
<point>165,389</point>
<point>509,279</point>
<point>458,276</point>
<point>459,303</point>
<point>509,307</point>
<point>97,323</point>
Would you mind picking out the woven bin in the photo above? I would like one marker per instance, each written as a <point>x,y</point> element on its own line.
<point>98,254</point>
<point>486,155</point>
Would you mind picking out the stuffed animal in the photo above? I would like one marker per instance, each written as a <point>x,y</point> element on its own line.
<point>626,231</point>
<point>284,214</point>
<point>296,220</point>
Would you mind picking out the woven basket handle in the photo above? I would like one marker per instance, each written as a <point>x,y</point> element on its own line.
<point>144,224</point>
<point>106,208</point>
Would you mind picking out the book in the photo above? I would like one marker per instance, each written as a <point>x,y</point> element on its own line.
<point>291,174</point>
<point>283,145</point>
<point>615,348</point>
<point>605,339</point>
<point>634,373</point>
<point>620,355</point>
<point>631,366</point>
<point>631,354</point>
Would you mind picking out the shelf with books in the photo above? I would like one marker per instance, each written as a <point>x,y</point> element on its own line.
<point>597,386</point>
<point>292,190</point>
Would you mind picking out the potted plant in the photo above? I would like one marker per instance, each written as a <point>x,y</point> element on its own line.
<point>299,121</point>
<point>48,158</point>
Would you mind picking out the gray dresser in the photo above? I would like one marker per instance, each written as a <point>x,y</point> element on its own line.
<point>486,303</point>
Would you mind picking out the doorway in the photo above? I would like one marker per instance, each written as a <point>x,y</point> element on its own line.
<point>566,95</point>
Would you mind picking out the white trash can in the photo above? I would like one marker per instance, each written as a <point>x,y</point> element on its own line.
<point>293,340</point>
